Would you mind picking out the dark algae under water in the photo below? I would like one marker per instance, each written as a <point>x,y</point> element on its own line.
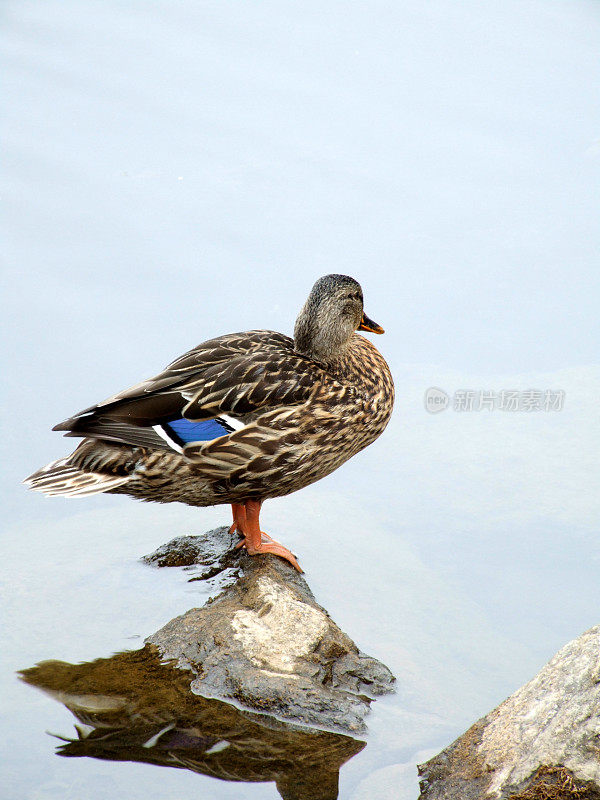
<point>133,707</point>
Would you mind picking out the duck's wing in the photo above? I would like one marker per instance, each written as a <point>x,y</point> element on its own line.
<point>204,394</point>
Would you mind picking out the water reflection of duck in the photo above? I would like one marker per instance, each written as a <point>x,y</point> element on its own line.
<point>133,707</point>
<point>240,418</point>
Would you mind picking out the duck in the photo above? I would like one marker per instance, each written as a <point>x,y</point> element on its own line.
<point>239,419</point>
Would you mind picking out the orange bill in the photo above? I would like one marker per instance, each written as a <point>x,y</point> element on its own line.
<point>367,324</point>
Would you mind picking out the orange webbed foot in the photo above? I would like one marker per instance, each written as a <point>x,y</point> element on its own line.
<point>264,538</point>
<point>269,545</point>
<point>246,523</point>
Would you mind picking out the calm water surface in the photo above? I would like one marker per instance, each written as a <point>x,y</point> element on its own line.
<point>179,170</point>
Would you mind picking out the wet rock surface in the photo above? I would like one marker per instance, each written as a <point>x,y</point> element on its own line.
<point>264,642</point>
<point>542,743</point>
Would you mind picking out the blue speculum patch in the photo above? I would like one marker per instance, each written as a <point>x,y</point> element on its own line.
<point>184,431</point>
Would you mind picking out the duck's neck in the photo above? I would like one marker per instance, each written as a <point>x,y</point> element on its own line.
<point>318,345</point>
<point>320,339</point>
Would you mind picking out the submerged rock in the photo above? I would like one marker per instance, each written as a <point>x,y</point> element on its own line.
<point>543,743</point>
<point>264,642</point>
<point>134,707</point>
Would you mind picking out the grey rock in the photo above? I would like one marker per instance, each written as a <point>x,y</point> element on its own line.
<point>542,742</point>
<point>264,642</point>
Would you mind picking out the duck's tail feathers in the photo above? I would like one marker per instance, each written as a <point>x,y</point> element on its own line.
<point>63,478</point>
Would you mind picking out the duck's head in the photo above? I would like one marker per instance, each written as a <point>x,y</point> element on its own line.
<point>330,317</point>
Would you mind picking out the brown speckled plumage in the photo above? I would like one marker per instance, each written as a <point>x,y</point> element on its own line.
<point>303,407</point>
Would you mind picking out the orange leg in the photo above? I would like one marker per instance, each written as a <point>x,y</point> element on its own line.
<point>239,518</point>
<point>255,541</point>
<point>239,522</point>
